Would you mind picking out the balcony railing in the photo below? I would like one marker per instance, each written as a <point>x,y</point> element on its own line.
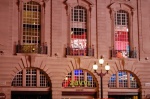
<point>40,49</point>
<point>123,53</point>
<point>79,52</point>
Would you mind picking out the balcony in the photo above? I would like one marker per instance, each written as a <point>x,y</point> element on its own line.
<point>123,53</point>
<point>79,52</point>
<point>39,49</point>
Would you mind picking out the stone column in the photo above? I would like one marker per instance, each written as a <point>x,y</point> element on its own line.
<point>56,88</point>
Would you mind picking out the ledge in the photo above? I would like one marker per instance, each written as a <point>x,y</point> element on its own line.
<point>31,54</point>
<point>69,56</point>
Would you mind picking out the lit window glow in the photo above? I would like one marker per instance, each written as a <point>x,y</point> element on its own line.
<point>121,37</point>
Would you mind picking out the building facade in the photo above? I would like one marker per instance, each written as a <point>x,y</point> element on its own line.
<point>48,49</point>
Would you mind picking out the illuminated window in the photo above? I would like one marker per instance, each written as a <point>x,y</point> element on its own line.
<point>121,37</point>
<point>123,79</point>
<point>31,80</point>
<point>79,78</point>
<point>79,31</point>
<point>112,81</point>
<point>31,31</point>
<point>91,81</point>
<point>133,82</point>
<point>31,23</point>
<point>122,32</point>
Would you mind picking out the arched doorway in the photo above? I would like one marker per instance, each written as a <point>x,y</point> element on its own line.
<point>123,85</point>
<point>31,83</point>
<point>79,84</point>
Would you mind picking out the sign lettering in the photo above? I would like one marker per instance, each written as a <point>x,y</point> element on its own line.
<point>79,83</point>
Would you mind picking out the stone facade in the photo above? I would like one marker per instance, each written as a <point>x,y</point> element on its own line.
<point>55,33</point>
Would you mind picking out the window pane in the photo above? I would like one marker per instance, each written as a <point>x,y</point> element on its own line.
<point>31,77</point>
<point>133,82</point>
<point>17,81</point>
<point>112,81</point>
<point>43,80</point>
<point>122,79</point>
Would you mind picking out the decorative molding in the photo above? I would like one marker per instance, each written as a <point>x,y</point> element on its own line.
<point>120,0</point>
<point>84,3</point>
<point>41,2</point>
<point>121,5</point>
<point>79,1</point>
<point>77,62</point>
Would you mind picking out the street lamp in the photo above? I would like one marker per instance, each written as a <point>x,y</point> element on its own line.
<point>107,68</point>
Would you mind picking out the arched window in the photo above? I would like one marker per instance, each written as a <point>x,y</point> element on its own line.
<point>32,78</point>
<point>123,79</point>
<point>79,78</point>
<point>78,35</point>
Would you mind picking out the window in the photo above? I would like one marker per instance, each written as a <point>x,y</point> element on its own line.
<point>122,33</point>
<point>122,79</point>
<point>79,78</point>
<point>31,23</point>
<point>31,75</point>
<point>31,40</point>
<point>78,31</point>
<point>121,37</point>
<point>79,41</point>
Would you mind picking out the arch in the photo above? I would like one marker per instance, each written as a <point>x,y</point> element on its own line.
<point>131,74</point>
<point>42,81</point>
<point>127,81</point>
<point>125,65</point>
<point>80,79</point>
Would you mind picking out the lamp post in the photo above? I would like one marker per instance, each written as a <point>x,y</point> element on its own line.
<point>101,74</point>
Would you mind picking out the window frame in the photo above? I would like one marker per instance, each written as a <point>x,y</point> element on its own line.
<point>114,7</point>
<point>20,27</point>
<point>79,76</point>
<point>123,80</point>
<point>88,6</point>
<point>78,25</point>
<point>24,78</point>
